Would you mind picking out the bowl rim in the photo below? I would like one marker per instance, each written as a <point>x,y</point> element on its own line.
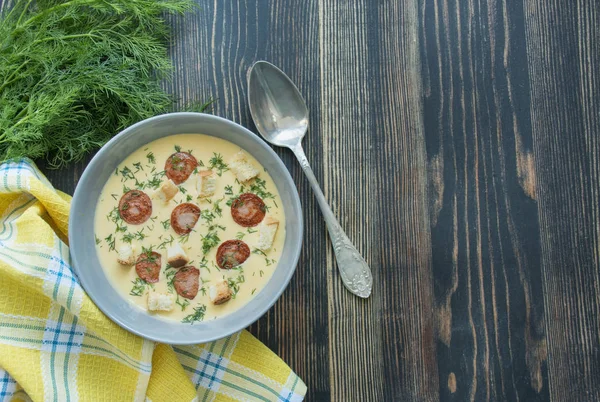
<point>105,307</point>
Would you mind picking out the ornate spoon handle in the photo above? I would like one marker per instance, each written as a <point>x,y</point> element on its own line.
<point>354,270</point>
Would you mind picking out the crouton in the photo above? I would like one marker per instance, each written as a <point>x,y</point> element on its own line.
<point>266,233</point>
<point>160,301</point>
<point>241,168</point>
<point>167,191</point>
<point>219,293</point>
<point>176,256</point>
<point>206,184</point>
<point>125,255</point>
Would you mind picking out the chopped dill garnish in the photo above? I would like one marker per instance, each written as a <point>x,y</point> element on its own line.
<point>139,287</point>
<point>216,162</point>
<point>183,304</point>
<point>258,251</point>
<point>150,157</point>
<point>110,240</point>
<point>166,243</point>
<point>197,315</point>
<point>209,241</point>
<point>138,167</point>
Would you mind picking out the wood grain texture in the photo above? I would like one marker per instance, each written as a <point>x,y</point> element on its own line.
<point>484,232</point>
<point>371,122</point>
<point>563,48</point>
<point>458,141</point>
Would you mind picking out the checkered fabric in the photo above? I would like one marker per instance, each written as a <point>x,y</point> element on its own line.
<point>56,345</point>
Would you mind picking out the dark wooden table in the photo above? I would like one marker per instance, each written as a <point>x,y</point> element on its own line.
<point>459,144</point>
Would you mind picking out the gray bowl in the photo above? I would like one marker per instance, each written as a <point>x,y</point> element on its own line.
<point>82,241</point>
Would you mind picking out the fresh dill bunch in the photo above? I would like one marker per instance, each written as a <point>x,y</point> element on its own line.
<point>74,73</point>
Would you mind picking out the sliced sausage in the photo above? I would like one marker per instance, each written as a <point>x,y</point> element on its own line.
<point>135,207</point>
<point>148,266</point>
<point>186,282</point>
<point>232,253</point>
<point>184,218</point>
<point>180,166</point>
<point>248,210</point>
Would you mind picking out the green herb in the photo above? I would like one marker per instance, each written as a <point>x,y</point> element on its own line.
<point>139,287</point>
<point>177,148</point>
<point>188,198</point>
<point>197,315</point>
<point>203,290</point>
<point>269,262</point>
<point>128,237</point>
<point>228,190</point>
<point>234,284</point>
<point>209,241</point>
<point>97,240</point>
<point>217,208</point>
<point>138,167</point>
<point>184,238</point>
<point>258,251</point>
<point>166,223</point>
<point>240,235</point>
<point>150,157</point>
<point>166,243</point>
<point>216,162</point>
<point>204,264</point>
<point>261,273</point>
<point>139,235</point>
<point>182,189</point>
<point>215,227</point>
<point>250,230</point>
<point>207,215</point>
<point>259,187</point>
<point>127,174</point>
<point>253,290</point>
<point>110,240</point>
<point>170,275</point>
<point>183,304</point>
<point>114,196</point>
<point>74,73</point>
<point>153,183</point>
<point>149,256</point>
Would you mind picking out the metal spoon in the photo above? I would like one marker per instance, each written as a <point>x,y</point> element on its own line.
<point>281,116</point>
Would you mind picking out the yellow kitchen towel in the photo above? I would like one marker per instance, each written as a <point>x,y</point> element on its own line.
<point>55,344</point>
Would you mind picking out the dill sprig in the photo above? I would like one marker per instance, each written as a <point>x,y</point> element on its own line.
<point>74,73</point>
<point>197,315</point>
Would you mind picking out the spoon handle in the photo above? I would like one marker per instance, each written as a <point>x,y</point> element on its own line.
<point>354,270</point>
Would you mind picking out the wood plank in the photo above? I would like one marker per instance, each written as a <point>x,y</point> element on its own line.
<point>563,50</point>
<point>485,231</point>
<point>381,348</point>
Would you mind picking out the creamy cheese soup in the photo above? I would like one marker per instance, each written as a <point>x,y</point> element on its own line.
<point>189,227</point>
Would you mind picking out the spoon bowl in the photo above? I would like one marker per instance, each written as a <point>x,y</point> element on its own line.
<point>277,107</point>
<point>281,117</point>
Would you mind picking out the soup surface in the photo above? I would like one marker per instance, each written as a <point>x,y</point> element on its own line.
<point>189,227</point>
